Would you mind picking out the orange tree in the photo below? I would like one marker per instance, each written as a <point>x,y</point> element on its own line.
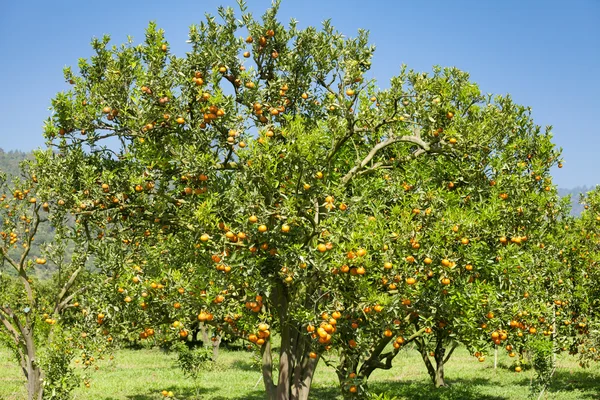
<point>466,259</point>
<point>39,318</point>
<point>261,184</point>
<point>581,256</point>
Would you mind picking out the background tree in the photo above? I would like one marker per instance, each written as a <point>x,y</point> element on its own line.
<point>581,256</point>
<point>36,316</point>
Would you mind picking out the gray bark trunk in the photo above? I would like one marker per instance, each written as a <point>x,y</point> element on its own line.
<point>34,374</point>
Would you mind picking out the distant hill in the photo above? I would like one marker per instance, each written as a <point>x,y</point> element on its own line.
<point>575,194</point>
<point>9,161</point>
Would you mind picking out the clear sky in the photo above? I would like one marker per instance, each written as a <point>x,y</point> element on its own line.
<point>545,53</point>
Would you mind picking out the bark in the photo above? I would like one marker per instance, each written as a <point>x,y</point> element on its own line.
<point>204,333</point>
<point>436,372</point>
<point>439,354</point>
<point>304,370</point>
<point>267,370</point>
<point>285,365</point>
<point>296,368</point>
<point>33,371</point>
<point>215,347</point>
<point>425,356</point>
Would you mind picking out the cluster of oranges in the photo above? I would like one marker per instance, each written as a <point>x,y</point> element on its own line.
<point>146,333</point>
<point>326,328</point>
<point>256,305</point>
<point>261,336</point>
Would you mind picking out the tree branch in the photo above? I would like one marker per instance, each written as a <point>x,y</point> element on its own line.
<point>454,346</point>
<point>59,299</point>
<point>4,314</point>
<point>415,139</point>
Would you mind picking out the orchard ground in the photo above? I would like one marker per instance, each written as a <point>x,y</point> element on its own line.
<point>143,374</point>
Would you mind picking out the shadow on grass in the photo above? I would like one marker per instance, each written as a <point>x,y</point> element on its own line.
<point>254,395</point>
<point>584,381</point>
<point>181,393</point>
<point>244,365</point>
<point>457,389</point>
<point>316,393</point>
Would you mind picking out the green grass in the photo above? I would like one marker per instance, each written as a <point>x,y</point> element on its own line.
<point>142,374</point>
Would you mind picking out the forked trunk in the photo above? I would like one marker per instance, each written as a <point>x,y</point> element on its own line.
<point>436,372</point>
<point>32,369</point>
<point>296,368</point>
<point>295,376</point>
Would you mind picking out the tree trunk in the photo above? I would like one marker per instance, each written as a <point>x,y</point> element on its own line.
<point>204,333</point>
<point>215,347</point>
<point>440,360</point>
<point>439,368</point>
<point>35,390</point>
<point>267,370</point>
<point>436,373</point>
<point>303,370</point>
<point>33,371</point>
<point>425,356</point>
<point>295,382</point>
<point>296,368</point>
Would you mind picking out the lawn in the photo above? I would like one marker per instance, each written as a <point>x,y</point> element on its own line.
<point>143,374</point>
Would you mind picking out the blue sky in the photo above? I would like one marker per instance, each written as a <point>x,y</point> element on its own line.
<point>545,53</point>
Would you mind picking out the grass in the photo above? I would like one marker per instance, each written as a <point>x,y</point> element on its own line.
<point>143,374</point>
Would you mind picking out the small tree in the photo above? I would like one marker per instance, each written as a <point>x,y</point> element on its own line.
<point>32,312</point>
<point>582,256</point>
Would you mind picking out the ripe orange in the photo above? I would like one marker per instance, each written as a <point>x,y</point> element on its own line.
<point>263,327</point>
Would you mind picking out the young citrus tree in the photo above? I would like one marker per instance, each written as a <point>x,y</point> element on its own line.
<point>262,184</point>
<point>582,257</point>
<point>33,312</point>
